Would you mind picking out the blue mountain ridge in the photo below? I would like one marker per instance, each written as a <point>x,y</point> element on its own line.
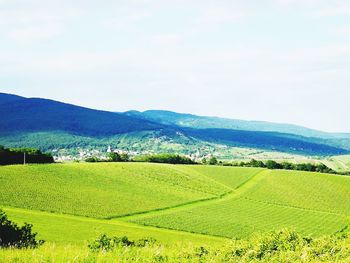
<point>22,116</point>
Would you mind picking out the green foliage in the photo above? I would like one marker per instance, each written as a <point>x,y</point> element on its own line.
<point>11,235</point>
<point>116,157</point>
<point>105,243</point>
<point>213,161</point>
<point>92,159</point>
<point>19,155</point>
<point>270,164</point>
<point>279,246</point>
<point>273,165</point>
<point>165,158</point>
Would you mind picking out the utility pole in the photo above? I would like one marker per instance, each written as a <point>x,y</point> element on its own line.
<point>24,158</point>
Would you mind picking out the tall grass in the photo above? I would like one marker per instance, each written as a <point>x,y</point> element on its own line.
<point>281,246</point>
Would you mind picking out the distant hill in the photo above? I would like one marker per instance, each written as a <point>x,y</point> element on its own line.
<point>265,140</point>
<point>49,124</point>
<point>338,140</point>
<point>7,98</point>
<point>205,122</point>
<point>36,115</point>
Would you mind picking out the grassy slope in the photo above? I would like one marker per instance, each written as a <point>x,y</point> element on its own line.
<point>102,190</point>
<point>313,191</point>
<point>313,204</point>
<point>63,229</point>
<point>239,218</point>
<point>242,200</point>
<point>231,177</point>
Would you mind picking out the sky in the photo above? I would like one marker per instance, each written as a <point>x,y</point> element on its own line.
<point>283,61</point>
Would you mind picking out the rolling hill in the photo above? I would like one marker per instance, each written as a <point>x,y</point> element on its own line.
<point>228,202</point>
<point>48,125</point>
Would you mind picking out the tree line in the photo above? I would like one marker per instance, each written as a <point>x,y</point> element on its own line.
<point>151,158</point>
<point>273,165</point>
<point>23,155</point>
<point>179,159</point>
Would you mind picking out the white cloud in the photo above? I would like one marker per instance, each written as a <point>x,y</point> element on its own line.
<point>231,58</point>
<point>166,40</point>
<point>37,21</point>
<point>341,30</point>
<point>33,33</point>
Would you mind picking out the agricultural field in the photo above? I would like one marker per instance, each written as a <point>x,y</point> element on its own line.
<point>239,218</point>
<point>311,191</point>
<point>227,176</point>
<point>181,206</point>
<point>110,190</point>
<point>340,163</point>
<point>62,229</point>
<point>311,203</point>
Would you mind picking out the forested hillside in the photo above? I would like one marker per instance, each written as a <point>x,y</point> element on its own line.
<point>48,124</point>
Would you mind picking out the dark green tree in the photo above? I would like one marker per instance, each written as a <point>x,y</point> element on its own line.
<point>213,161</point>
<point>11,235</point>
<point>114,157</point>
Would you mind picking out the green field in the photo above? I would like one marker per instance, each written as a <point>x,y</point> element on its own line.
<point>102,190</point>
<point>67,229</point>
<point>71,204</point>
<point>312,204</point>
<point>340,163</point>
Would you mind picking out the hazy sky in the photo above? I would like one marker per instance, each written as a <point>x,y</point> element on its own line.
<point>274,60</point>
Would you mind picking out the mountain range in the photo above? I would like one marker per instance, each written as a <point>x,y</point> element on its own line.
<point>49,124</point>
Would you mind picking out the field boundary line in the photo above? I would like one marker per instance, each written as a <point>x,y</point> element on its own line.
<point>190,203</point>
<point>109,222</point>
<point>189,170</point>
<point>226,196</point>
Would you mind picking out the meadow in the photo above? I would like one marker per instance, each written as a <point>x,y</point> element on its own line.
<point>63,229</point>
<point>184,207</point>
<point>102,190</point>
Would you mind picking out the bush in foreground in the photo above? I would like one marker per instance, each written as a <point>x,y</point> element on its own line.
<point>105,243</point>
<point>280,246</point>
<point>11,235</point>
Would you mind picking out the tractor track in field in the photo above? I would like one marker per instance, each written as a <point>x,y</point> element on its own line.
<point>234,193</point>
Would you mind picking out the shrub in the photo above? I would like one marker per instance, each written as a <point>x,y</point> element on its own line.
<point>116,157</point>
<point>213,161</point>
<point>165,158</point>
<point>12,235</point>
<point>92,159</point>
<point>105,243</point>
<point>271,164</point>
